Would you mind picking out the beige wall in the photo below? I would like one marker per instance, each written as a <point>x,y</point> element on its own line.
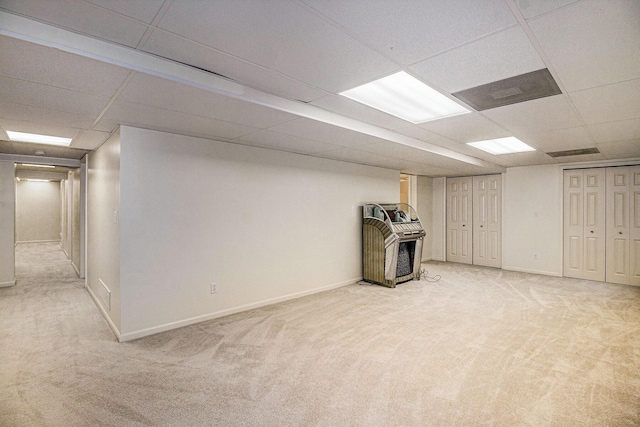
<point>38,213</point>
<point>103,230</point>
<point>7,222</point>
<point>74,178</point>
<point>264,225</point>
<point>424,207</point>
<point>532,219</point>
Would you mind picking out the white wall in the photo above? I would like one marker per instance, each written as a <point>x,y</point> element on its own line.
<point>532,220</point>
<point>74,178</point>
<point>7,223</point>
<point>103,231</point>
<point>38,216</point>
<point>264,225</point>
<point>424,207</point>
<point>438,226</point>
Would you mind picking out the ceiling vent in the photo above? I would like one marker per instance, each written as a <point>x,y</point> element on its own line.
<point>579,152</point>
<point>525,87</point>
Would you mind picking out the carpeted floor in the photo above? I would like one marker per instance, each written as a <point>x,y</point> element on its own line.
<point>481,347</point>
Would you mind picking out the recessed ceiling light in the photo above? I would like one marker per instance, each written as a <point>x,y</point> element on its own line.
<point>506,145</point>
<point>37,180</point>
<point>404,96</point>
<point>37,138</point>
<point>37,166</point>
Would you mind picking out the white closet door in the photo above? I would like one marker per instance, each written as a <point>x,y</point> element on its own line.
<point>584,224</point>
<point>623,225</point>
<point>487,221</point>
<point>634,231</point>
<point>459,224</point>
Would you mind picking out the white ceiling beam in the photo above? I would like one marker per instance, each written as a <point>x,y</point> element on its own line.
<point>36,32</point>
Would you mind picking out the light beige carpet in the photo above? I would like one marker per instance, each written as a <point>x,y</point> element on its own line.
<point>481,347</point>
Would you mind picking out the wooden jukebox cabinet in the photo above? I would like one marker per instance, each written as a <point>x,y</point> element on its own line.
<point>392,238</point>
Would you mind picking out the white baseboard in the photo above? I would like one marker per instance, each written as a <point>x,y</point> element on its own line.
<point>8,284</point>
<point>104,313</point>
<point>526,270</point>
<point>190,321</point>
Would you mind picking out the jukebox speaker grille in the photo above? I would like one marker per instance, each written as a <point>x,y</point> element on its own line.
<point>405,258</point>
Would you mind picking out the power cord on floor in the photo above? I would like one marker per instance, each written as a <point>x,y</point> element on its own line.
<point>424,276</point>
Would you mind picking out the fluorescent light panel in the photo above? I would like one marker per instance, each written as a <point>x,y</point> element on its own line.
<point>37,166</point>
<point>37,138</point>
<point>506,145</point>
<point>404,96</point>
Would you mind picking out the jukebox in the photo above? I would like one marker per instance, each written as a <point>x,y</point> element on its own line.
<point>392,238</point>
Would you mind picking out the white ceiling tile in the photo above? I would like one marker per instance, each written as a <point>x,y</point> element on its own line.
<point>499,56</point>
<point>390,149</point>
<point>281,141</point>
<point>6,147</point>
<point>530,9</point>
<point>591,42</point>
<point>622,130</point>
<point>609,103</point>
<point>409,31</point>
<point>558,139</point>
<point>271,35</point>
<point>179,49</point>
<point>28,61</point>
<point>90,139</point>
<point>539,115</point>
<point>80,17</point>
<point>620,149</point>
<point>142,10</point>
<point>171,121</point>
<point>12,111</point>
<point>355,156</point>
<point>169,95</point>
<point>319,131</point>
<point>50,97</point>
<point>466,128</point>
<point>355,110</point>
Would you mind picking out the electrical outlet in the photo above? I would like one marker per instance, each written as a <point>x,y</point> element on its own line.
<point>214,288</point>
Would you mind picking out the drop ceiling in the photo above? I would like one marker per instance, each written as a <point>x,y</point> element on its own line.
<point>268,74</point>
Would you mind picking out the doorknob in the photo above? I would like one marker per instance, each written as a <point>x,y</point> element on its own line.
<point>481,226</point>
<point>619,232</point>
<point>591,231</point>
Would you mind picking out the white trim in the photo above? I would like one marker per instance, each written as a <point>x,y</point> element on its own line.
<point>96,301</point>
<point>524,270</point>
<point>193,320</point>
<point>38,241</point>
<point>8,284</point>
<point>40,160</point>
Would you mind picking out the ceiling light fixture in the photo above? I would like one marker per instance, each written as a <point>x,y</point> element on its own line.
<point>404,96</point>
<point>37,138</point>
<point>37,180</point>
<point>37,166</point>
<point>498,146</point>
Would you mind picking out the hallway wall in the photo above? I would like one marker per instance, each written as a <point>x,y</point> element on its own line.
<point>38,211</point>
<point>7,223</point>
<point>264,225</point>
